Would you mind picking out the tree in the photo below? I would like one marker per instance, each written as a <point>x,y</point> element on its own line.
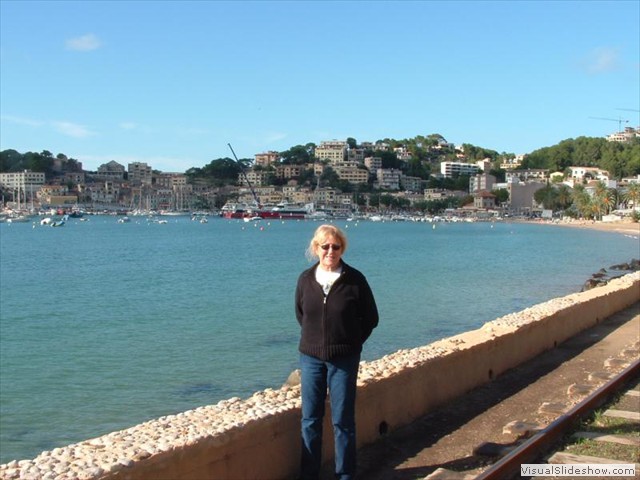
<point>545,196</point>
<point>631,194</point>
<point>582,201</point>
<point>603,201</point>
<point>502,195</point>
<point>298,155</point>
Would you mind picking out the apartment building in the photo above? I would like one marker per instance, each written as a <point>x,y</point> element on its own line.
<point>453,169</point>
<point>267,158</point>
<point>170,180</point>
<point>257,178</point>
<point>531,174</point>
<point>140,173</point>
<point>24,182</point>
<point>111,171</point>
<point>107,192</point>
<point>352,173</point>
<point>288,171</point>
<point>413,184</point>
<point>481,181</point>
<point>373,163</point>
<point>389,178</point>
<point>355,155</point>
<point>335,152</point>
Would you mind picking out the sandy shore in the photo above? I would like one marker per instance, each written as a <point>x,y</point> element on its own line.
<point>628,228</point>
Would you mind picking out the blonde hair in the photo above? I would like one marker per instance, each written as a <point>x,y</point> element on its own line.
<point>321,233</point>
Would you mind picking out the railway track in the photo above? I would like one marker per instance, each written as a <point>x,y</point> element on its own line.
<point>535,450</point>
<point>537,413</point>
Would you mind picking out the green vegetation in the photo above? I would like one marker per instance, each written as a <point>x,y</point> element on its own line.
<point>619,159</point>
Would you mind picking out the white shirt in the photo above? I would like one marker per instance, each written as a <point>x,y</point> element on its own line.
<point>326,278</point>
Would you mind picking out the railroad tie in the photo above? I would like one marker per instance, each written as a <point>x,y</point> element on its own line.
<point>601,437</point>
<point>635,416</point>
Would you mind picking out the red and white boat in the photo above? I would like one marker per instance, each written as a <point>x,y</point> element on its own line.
<point>282,211</point>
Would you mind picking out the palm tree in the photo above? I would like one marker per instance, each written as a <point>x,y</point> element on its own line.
<point>604,198</point>
<point>582,201</point>
<point>632,194</point>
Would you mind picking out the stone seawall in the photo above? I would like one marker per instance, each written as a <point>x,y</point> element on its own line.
<point>258,437</point>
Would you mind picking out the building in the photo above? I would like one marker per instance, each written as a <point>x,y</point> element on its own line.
<point>266,159</point>
<point>256,178</point>
<point>485,165</point>
<point>588,173</point>
<point>411,184</point>
<point>355,155</point>
<point>432,194</point>
<point>140,173</point>
<point>627,135</point>
<point>335,152</point>
<point>484,199</point>
<point>531,174</point>
<point>111,171</point>
<point>24,180</point>
<point>107,192</point>
<point>512,163</point>
<point>482,181</point>
<point>25,184</point>
<point>388,178</point>
<point>170,180</point>
<point>352,173</point>
<point>402,153</point>
<point>455,169</point>
<point>288,171</point>
<point>373,163</point>
<point>521,196</point>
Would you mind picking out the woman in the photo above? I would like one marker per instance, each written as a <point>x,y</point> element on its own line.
<point>337,312</point>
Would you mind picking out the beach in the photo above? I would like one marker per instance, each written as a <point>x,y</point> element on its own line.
<point>626,227</point>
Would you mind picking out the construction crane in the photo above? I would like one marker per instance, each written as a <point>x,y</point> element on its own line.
<point>619,120</point>
<point>253,192</point>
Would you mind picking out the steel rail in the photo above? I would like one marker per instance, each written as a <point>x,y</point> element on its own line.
<point>529,451</point>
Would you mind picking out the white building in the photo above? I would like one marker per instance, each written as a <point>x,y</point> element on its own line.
<point>25,184</point>
<point>627,135</point>
<point>594,173</point>
<point>452,169</point>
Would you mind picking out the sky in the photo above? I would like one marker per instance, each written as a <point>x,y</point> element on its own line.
<point>173,83</point>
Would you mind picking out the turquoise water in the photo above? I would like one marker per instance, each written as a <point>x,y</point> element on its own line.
<point>106,325</point>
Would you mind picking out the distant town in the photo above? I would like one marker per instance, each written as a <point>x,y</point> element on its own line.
<point>424,175</point>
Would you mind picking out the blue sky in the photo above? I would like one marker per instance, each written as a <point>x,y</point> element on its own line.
<point>172,83</point>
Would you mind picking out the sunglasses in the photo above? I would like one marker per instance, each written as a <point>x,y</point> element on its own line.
<point>334,246</point>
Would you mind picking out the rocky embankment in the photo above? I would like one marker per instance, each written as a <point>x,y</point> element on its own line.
<point>604,276</point>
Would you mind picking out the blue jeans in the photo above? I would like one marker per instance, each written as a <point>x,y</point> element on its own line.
<point>340,376</point>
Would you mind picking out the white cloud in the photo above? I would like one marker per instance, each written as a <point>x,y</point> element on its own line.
<point>72,129</point>
<point>21,121</point>
<point>601,60</point>
<point>85,43</point>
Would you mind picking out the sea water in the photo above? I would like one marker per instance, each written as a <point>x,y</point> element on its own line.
<point>104,325</point>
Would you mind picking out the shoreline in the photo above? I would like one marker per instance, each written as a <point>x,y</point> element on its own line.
<point>629,228</point>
